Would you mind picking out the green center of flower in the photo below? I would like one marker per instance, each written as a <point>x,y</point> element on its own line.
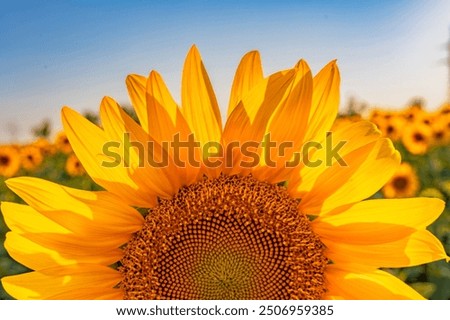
<point>225,238</point>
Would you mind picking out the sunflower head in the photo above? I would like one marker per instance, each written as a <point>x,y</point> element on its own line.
<point>413,113</point>
<point>62,143</point>
<point>393,126</point>
<point>44,146</point>
<point>73,166</point>
<point>440,126</point>
<point>417,137</point>
<point>31,157</point>
<point>9,161</point>
<point>403,184</point>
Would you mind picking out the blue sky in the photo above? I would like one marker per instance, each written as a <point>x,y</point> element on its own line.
<point>55,53</point>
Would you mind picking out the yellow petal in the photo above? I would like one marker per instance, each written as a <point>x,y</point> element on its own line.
<point>247,123</point>
<point>82,212</point>
<point>59,282</point>
<point>238,132</point>
<point>141,153</point>
<point>36,256</point>
<point>286,127</point>
<point>417,248</point>
<point>102,160</point>
<point>164,116</point>
<point>136,85</point>
<point>288,121</point>
<point>167,124</point>
<point>83,293</point>
<point>24,219</point>
<point>355,180</point>
<point>200,107</point>
<point>325,101</point>
<point>369,285</point>
<point>248,74</point>
<point>315,154</point>
<point>378,221</point>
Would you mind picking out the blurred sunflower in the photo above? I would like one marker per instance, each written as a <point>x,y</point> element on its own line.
<point>417,137</point>
<point>403,184</point>
<point>9,161</point>
<point>440,130</point>
<point>73,166</point>
<point>444,109</point>
<point>215,231</point>
<point>31,157</point>
<point>377,116</point>
<point>62,143</point>
<point>393,127</point>
<point>44,145</point>
<point>412,113</point>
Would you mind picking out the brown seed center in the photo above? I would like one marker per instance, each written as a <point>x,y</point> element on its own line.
<point>4,160</point>
<point>418,137</point>
<point>400,183</point>
<point>225,238</point>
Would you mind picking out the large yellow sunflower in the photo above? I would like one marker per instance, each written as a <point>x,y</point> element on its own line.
<point>224,219</point>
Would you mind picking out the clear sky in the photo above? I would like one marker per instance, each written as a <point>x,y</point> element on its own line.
<point>55,53</point>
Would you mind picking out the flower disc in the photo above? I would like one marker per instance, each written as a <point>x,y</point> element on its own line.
<point>225,238</point>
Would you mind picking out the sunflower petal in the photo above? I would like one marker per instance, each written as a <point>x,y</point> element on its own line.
<point>164,117</point>
<point>368,285</point>
<point>24,219</point>
<point>325,102</point>
<point>354,180</point>
<point>92,147</point>
<point>36,256</point>
<point>247,123</point>
<point>200,107</point>
<point>248,74</point>
<point>417,248</point>
<point>314,162</point>
<point>83,293</point>
<point>136,90</point>
<point>82,212</point>
<point>167,125</point>
<point>378,221</point>
<point>144,157</point>
<point>59,282</point>
<point>286,127</point>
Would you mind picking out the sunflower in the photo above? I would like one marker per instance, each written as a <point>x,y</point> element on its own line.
<point>392,126</point>
<point>31,157</point>
<point>44,146</point>
<point>62,143</point>
<point>9,161</point>
<point>224,220</point>
<point>412,113</point>
<point>377,116</point>
<point>403,184</point>
<point>444,109</point>
<point>417,137</point>
<point>440,126</point>
<point>73,166</point>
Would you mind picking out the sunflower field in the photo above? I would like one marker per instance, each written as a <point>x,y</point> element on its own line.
<point>422,137</point>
